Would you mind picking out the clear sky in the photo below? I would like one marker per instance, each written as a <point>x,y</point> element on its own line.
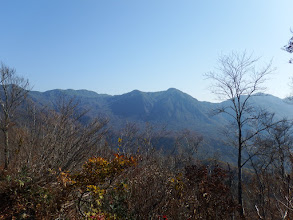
<point>116,46</point>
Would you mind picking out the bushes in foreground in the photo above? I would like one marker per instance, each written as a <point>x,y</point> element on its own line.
<point>120,187</point>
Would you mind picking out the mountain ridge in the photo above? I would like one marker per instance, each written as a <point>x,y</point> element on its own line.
<point>172,109</point>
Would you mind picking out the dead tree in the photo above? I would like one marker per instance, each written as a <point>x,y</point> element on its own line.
<point>237,80</point>
<point>13,91</point>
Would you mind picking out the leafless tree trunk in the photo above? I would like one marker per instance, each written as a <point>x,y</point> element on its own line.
<point>13,91</point>
<point>272,167</point>
<point>58,140</point>
<point>238,80</point>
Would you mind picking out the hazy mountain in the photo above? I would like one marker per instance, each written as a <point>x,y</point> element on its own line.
<point>172,108</point>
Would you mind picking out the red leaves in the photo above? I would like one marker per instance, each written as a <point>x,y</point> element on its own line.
<point>162,217</point>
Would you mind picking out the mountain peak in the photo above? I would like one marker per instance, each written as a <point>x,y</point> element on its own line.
<point>135,91</point>
<point>173,90</point>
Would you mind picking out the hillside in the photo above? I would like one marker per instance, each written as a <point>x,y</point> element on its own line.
<point>172,108</point>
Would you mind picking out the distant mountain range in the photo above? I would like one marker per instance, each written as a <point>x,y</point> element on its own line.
<point>172,108</point>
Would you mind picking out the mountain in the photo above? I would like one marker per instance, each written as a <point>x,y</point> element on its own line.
<point>282,108</point>
<point>172,108</point>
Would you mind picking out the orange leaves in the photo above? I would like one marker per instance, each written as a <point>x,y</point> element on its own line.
<point>123,162</point>
<point>65,179</point>
<point>98,217</point>
<point>98,170</point>
<point>95,178</point>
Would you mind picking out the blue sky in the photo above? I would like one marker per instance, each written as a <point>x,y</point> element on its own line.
<point>116,46</point>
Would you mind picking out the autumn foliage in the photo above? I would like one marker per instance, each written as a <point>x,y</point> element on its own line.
<point>62,169</point>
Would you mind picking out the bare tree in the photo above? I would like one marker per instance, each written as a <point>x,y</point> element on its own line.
<point>271,172</point>
<point>186,145</point>
<point>13,91</point>
<point>57,139</point>
<point>238,80</point>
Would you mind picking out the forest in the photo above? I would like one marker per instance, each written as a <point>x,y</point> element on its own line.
<point>56,166</point>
